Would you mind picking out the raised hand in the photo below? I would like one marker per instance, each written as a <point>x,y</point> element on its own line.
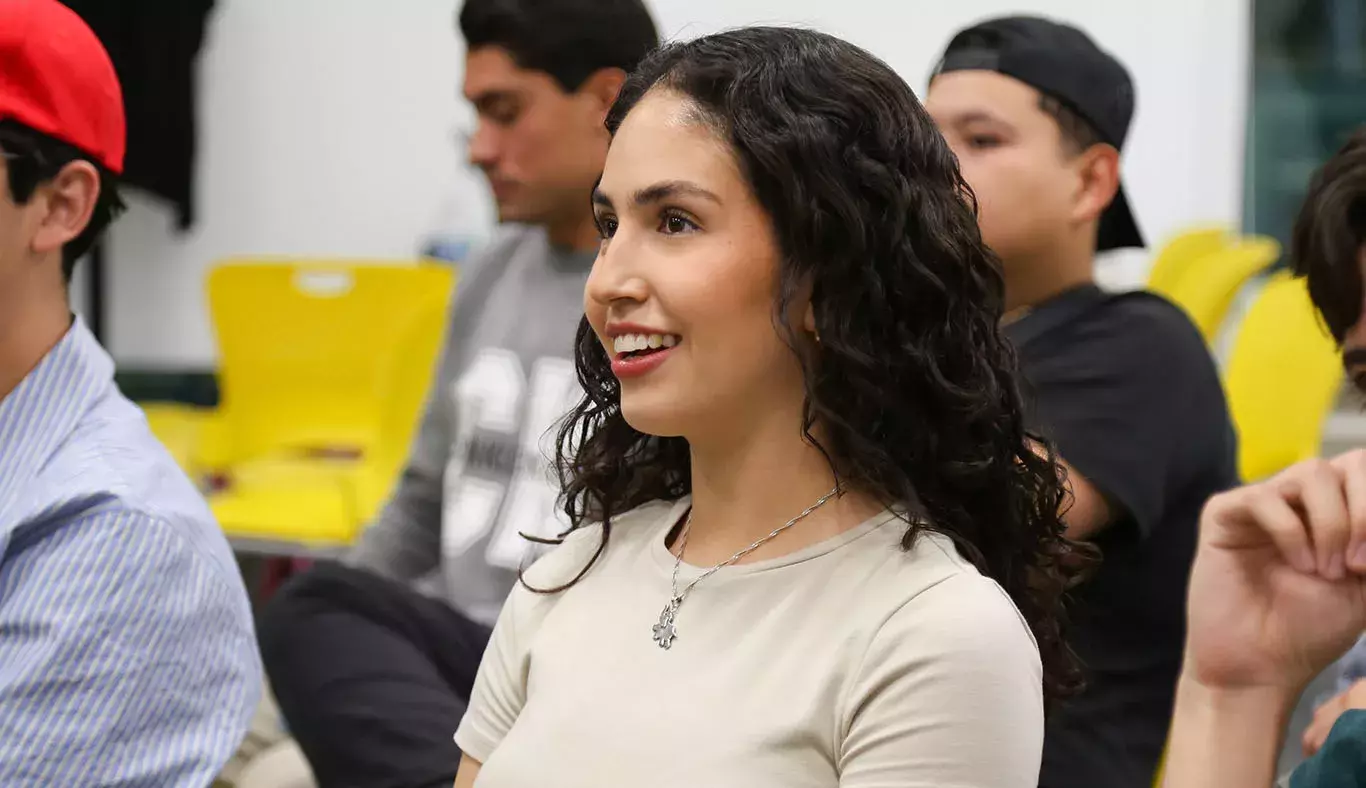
<point>1277,593</point>
<point>1279,585</point>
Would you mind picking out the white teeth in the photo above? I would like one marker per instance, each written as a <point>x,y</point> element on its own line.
<point>629,343</point>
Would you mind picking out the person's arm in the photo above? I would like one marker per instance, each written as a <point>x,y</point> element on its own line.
<point>1225,738</point>
<point>1088,511</point>
<point>1278,592</point>
<point>468,773</point>
<point>1134,409</point>
<point>127,656</point>
<point>949,695</point>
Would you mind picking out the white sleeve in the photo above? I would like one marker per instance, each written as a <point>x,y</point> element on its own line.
<point>949,695</point>
<point>500,687</point>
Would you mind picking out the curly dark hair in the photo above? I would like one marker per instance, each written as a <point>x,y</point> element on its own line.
<point>913,384</point>
<point>1330,233</point>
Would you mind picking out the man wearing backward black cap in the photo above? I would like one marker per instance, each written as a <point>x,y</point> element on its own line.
<point>1124,384</point>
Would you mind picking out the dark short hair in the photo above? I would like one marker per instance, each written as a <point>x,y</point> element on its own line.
<point>1330,232</point>
<point>35,158</point>
<point>1078,135</point>
<point>568,39</point>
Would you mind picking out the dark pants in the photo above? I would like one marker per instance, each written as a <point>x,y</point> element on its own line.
<point>372,678</point>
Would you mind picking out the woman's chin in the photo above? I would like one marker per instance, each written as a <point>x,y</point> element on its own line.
<point>660,419</point>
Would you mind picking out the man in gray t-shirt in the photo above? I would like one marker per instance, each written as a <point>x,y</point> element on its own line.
<point>372,661</point>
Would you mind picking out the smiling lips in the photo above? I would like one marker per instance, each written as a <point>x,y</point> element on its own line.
<point>637,354</point>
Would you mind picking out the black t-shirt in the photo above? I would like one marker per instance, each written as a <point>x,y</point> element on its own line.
<point>1126,387</point>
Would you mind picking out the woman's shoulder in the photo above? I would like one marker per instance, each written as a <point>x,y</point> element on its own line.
<point>937,589</point>
<point>947,645</point>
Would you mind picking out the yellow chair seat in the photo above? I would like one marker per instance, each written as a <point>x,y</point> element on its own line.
<point>294,500</point>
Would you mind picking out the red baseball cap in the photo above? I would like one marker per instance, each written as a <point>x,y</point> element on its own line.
<point>57,79</point>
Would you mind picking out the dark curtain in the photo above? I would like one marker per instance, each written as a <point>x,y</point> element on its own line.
<point>155,46</point>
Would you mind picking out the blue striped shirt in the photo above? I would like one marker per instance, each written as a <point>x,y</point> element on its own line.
<point>127,652</point>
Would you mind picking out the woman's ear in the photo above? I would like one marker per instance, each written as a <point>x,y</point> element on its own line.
<point>809,321</point>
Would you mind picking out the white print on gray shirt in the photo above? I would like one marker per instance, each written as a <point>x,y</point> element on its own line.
<point>499,484</point>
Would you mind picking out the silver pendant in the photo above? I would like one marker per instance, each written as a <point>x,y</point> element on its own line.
<point>665,632</point>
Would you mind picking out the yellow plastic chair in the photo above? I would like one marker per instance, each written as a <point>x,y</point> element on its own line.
<point>179,428</point>
<point>324,367</point>
<point>1282,379</point>
<point>1207,288</point>
<point>1182,253</point>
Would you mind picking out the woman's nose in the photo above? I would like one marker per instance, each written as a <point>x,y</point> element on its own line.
<point>617,273</point>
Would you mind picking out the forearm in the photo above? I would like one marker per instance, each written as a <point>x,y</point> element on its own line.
<point>1225,738</point>
<point>1086,511</point>
<point>405,542</point>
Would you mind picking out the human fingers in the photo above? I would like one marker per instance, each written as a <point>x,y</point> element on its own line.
<point>1316,487</point>
<point>1251,515</point>
<point>1352,468</point>
<point>1324,717</point>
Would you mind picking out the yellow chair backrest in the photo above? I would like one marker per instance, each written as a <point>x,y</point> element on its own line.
<point>309,352</point>
<point>1182,253</point>
<point>1283,378</point>
<point>1207,288</point>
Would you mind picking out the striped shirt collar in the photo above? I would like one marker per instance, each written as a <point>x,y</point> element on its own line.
<point>41,413</point>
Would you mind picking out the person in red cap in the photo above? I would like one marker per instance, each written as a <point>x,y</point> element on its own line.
<point>127,653</point>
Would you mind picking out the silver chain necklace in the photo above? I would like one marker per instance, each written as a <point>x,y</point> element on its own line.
<point>666,631</point>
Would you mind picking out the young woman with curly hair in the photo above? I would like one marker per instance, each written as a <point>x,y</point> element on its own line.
<point>811,542</point>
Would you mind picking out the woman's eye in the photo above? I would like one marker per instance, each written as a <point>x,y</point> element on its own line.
<point>607,226</point>
<point>674,224</point>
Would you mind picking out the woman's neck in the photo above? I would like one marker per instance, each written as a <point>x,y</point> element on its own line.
<point>746,485</point>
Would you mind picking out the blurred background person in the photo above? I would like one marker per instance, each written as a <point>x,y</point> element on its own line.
<point>372,661</point>
<point>1278,592</point>
<point>1037,114</point>
<point>1279,586</point>
<point>1330,251</point>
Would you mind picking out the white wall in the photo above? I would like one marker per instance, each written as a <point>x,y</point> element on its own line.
<point>326,129</point>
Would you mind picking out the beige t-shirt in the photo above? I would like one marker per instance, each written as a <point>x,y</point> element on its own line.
<point>850,663</point>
